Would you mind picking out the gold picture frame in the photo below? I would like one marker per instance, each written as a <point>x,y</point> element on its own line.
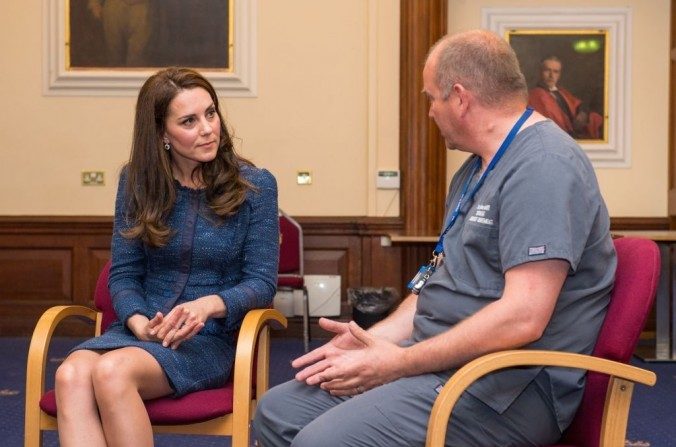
<point>540,32</point>
<point>109,47</point>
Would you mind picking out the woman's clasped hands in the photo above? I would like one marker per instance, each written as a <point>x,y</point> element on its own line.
<point>181,323</point>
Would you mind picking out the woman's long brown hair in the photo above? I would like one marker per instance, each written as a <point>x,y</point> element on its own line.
<point>151,191</point>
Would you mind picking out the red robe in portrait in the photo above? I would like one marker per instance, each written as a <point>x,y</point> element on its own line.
<point>544,102</point>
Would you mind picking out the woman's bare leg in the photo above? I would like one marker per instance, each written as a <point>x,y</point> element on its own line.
<point>78,417</point>
<point>122,379</point>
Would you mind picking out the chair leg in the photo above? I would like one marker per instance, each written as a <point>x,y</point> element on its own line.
<point>33,437</point>
<point>306,320</point>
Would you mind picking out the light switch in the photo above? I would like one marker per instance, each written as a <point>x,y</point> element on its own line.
<point>304,178</point>
<point>387,179</point>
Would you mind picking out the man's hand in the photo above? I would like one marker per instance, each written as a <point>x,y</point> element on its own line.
<point>343,340</point>
<point>352,362</point>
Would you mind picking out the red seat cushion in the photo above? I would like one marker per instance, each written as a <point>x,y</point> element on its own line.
<point>199,406</point>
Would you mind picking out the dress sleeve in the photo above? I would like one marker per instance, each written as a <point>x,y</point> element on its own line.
<point>127,269</point>
<point>261,254</point>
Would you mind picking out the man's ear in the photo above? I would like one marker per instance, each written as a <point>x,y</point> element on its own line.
<point>463,95</point>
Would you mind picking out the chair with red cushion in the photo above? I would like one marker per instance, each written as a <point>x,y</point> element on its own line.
<point>601,419</point>
<point>225,411</point>
<point>291,266</point>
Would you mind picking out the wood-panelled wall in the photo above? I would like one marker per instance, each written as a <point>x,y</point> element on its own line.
<point>47,261</point>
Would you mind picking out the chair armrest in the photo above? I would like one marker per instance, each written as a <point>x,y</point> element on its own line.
<point>620,387</point>
<point>42,336</point>
<point>253,334</point>
<point>37,354</point>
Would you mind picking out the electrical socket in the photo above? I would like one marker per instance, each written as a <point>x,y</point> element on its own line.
<point>93,178</point>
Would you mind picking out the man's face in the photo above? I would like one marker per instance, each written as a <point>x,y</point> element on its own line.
<point>440,108</point>
<point>550,72</point>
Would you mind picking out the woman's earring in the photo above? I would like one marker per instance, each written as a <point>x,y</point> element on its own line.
<point>167,146</point>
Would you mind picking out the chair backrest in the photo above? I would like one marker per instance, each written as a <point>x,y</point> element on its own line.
<point>636,278</point>
<point>102,300</point>
<point>291,245</point>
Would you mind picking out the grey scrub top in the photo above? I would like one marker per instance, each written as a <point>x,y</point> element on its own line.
<point>542,201</point>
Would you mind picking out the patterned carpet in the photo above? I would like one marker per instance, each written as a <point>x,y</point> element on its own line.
<point>652,421</point>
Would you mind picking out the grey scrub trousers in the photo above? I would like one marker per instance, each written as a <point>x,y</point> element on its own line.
<point>396,414</point>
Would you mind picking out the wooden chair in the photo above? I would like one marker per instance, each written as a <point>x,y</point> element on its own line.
<point>226,411</point>
<point>601,419</point>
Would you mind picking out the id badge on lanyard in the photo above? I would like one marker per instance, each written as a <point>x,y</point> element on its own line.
<point>424,273</point>
<point>426,270</point>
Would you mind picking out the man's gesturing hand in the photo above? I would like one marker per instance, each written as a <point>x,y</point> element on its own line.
<point>352,362</point>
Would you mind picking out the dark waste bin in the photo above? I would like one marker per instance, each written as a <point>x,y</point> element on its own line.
<point>371,304</point>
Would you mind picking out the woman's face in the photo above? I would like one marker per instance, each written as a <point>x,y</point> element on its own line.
<point>193,128</point>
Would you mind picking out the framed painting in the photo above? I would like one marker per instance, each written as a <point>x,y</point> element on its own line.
<point>576,64</point>
<point>109,47</point>
<point>567,75</point>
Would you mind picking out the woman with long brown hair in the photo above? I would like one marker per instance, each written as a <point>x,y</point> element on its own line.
<point>195,246</point>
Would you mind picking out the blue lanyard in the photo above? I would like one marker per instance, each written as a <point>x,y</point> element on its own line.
<point>464,196</point>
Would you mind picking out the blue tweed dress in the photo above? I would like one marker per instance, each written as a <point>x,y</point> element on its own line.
<point>235,258</point>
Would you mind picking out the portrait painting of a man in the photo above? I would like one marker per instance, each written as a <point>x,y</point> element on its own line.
<point>566,74</point>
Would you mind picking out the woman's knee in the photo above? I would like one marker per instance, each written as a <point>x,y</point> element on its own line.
<point>73,373</point>
<point>67,376</point>
<point>110,376</point>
